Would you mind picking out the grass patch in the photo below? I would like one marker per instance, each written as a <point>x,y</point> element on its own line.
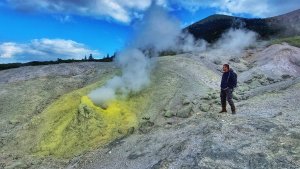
<point>294,41</point>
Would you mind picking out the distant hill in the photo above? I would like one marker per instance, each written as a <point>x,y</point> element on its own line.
<point>4,66</point>
<point>212,27</point>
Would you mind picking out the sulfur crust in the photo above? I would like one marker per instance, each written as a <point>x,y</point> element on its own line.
<point>73,124</point>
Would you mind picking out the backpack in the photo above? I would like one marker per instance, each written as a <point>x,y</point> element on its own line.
<point>234,79</point>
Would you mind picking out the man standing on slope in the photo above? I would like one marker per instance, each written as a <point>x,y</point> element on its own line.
<point>228,83</point>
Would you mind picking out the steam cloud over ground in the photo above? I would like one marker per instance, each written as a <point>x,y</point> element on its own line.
<point>159,32</point>
<point>231,44</point>
<point>236,40</point>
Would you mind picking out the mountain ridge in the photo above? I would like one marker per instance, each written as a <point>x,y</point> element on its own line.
<point>212,27</point>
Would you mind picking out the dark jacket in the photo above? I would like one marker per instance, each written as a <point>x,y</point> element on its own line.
<point>227,81</point>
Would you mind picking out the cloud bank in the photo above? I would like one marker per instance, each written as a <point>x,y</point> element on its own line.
<point>256,8</point>
<point>43,50</point>
<point>125,11</point>
<point>119,10</point>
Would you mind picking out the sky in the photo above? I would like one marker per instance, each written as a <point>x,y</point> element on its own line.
<point>49,29</point>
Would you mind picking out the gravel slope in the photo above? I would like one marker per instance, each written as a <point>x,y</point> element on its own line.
<point>180,127</point>
<point>265,132</point>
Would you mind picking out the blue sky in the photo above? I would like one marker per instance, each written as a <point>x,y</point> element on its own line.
<point>22,27</point>
<point>48,29</point>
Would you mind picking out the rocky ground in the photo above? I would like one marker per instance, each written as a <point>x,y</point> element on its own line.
<point>181,126</point>
<point>25,92</point>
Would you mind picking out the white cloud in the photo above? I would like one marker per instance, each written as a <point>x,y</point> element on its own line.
<point>224,13</point>
<point>256,8</point>
<point>119,10</point>
<point>44,49</point>
<point>9,49</point>
<point>162,3</point>
<point>191,5</point>
<point>125,11</point>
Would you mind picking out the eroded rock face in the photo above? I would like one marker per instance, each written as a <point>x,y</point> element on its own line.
<point>277,62</point>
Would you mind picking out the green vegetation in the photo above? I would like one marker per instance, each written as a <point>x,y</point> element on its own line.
<point>294,41</point>
<point>168,53</point>
<point>58,61</point>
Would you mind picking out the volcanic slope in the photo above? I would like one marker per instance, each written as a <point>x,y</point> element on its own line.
<point>173,123</point>
<point>182,127</point>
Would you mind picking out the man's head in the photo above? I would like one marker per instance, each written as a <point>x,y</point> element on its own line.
<point>225,68</point>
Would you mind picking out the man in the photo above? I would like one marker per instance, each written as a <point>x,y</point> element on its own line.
<point>227,85</point>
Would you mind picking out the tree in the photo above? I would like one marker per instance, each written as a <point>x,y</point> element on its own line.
<point>114,55</point>
<point>59,60</point>
<point>91,57</point>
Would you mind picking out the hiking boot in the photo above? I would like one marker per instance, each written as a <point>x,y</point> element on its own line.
<point>223,110</point>
<point>233,111</point>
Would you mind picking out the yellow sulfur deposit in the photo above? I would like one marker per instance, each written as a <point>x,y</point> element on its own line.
<point>73,124</point>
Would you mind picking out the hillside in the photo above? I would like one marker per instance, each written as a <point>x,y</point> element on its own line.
<point>48,122</point>
<point>212,27</point>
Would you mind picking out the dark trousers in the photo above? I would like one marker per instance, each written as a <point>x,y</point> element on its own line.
<point>227,95</point>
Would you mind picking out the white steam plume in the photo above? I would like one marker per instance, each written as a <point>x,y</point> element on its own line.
<point>190,44</point>
<point>157,32</point>
<point>236,40</point>
<point>232,44</point>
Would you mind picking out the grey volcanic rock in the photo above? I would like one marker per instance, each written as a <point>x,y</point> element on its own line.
<point>63,70</point>
<point>181,126</point>
<point>184,112</point>
<point>263,133</point>
<point>25,92</point>
<point>276,62</point>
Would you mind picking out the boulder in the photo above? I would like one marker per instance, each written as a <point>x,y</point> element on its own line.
<point>185,112</point>
<point>204,107</point>
<point>146,126</point>
<point>168,114</point>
